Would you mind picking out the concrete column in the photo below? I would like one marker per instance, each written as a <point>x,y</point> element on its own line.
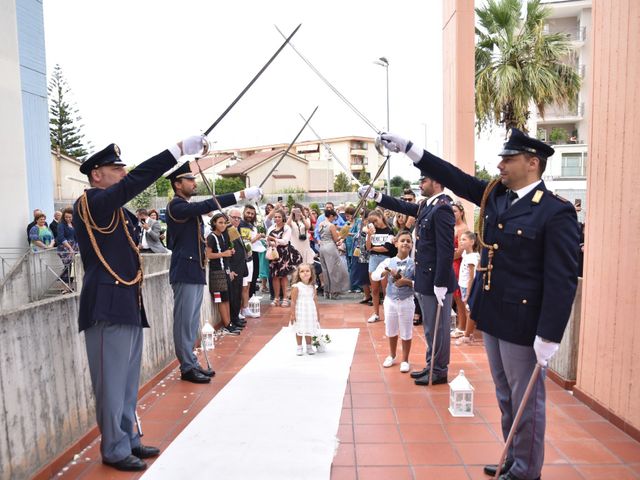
<point>609,358</point>
<point>458,86</point>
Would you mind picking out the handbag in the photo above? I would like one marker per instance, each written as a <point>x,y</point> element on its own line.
<point>272,253</point>
<point>218,281</point>
<point>295,258</point>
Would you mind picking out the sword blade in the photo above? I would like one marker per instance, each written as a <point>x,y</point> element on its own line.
<point>288,148</point>
<point>333,89</point>
<point>333,155</point>
<point>224,114</point>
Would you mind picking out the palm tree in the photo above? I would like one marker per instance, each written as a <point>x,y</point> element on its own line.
<point>518,64</point>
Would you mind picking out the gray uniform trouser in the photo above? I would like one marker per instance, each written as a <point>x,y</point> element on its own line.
<point>428,305</point>
<point>511,368</point>
<point>114,352</point>
<point>187,300</point>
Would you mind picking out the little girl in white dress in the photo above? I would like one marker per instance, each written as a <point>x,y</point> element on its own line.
<point>304,306</point>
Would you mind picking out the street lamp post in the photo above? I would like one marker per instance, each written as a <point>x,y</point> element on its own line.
<point>383,62</point>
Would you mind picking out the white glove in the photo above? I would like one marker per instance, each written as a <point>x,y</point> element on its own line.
<point>373,195</point>
<point>544,350</point>
<point>397,144</point>
<point>440,292</point>
<point>252,193</point>
<point>193,145</point>
<point>394,143</point>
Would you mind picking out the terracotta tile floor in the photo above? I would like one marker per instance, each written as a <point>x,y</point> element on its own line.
<point>390,428</point>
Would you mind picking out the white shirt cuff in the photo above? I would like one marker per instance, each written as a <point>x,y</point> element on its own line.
<point>175,151</point>
<point>415,153</point>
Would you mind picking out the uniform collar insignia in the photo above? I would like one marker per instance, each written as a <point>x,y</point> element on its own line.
<point>537,196</point>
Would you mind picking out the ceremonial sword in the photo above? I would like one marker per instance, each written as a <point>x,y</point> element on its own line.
<point>525,398</point>
<point>223,114</point>
<point>378,144</point>
<point>284,154</point>
<point>333,155</point>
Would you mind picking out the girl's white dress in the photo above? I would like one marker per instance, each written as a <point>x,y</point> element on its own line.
<point>306,314</point>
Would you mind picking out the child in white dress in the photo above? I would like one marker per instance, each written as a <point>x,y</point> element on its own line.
<point>304,306</point>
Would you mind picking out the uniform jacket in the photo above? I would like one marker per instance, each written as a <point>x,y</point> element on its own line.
<point>434,241</point>
<point>185,239</point>
<point>534,276</point>
<point>102,298</point>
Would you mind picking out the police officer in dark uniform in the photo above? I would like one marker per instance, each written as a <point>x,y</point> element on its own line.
<point>525,283</point>
<point>111,307</point>
<point>435,279</point>
<point>185,232</point>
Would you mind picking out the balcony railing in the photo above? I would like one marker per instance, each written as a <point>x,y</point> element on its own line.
<point>555,111</point>
<point>577,34</point>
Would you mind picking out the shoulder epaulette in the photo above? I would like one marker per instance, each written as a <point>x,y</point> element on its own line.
<point>562,199</point>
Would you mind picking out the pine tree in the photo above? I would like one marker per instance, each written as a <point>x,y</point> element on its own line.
<point>341,183</point>
<point>64,120</point>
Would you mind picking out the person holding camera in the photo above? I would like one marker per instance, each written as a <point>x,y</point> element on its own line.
<point>300,225</point>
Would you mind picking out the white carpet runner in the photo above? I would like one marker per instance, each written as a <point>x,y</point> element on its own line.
<point>276,419</point>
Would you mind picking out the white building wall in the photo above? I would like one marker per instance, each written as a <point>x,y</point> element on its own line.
<point>13,181</point>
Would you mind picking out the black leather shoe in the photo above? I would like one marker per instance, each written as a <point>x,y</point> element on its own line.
<point>417,321</point>
<point>491,469</point>
<point>424,380</point>
<point>145,452</point>
<point>194,376</point>
<point>128,464</point>
<point>420,373</point>
<point>206,372</point>
<point>237,325</point>
<point>240,323</point>
<point>510,476</point>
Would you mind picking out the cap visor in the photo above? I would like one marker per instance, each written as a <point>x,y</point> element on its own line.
<point>507,153</point>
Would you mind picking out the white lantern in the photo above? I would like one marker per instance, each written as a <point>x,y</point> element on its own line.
<point>207,336</point>
<point>460,396</point>
<point>254,305</point>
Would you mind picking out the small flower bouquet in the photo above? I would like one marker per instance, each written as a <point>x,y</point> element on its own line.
<point>320,341</point>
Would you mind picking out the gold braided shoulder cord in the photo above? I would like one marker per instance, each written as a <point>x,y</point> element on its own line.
<point>118,217</point>
<point>202,243</point>
<point>486,275</point>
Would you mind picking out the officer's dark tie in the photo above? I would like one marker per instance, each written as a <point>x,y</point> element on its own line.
<point>509,198</point>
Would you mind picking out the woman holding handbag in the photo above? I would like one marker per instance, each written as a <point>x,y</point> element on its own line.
<point>279,236</point>
<point>218,252</point>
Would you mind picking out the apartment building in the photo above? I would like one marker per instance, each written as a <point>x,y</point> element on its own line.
<point>567,128</point>
<point>309,165</point>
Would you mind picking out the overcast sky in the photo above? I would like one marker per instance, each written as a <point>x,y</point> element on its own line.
<point>145,74</point>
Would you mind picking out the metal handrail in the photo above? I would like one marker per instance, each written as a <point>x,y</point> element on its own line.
<point>45,270</point>
<point>9,257</point>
